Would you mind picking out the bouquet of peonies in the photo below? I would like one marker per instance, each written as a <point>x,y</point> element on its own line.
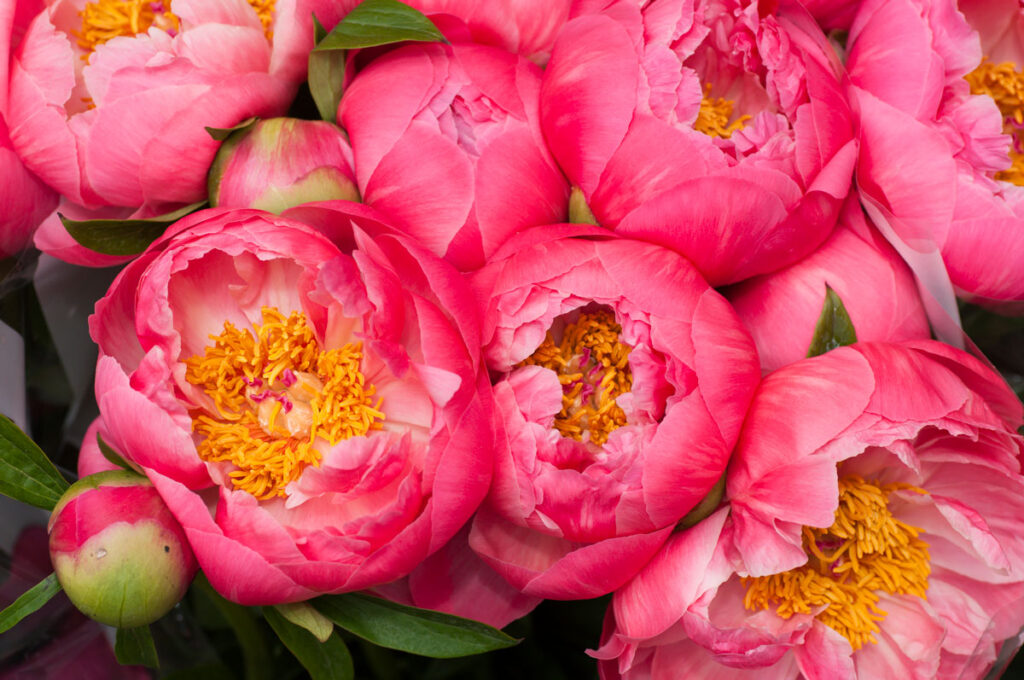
<point>428,313</point>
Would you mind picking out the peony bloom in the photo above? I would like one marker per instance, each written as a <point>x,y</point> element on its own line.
<point>280,163</point>
<point>447,144</point>
<point>117,550</point>
<point>310,415</point>
<point>942,162</point>
<point>109,98</point>
<point>712,128</point>
<point>878,291</point>
<point>26,201</point>
<point>875,497</point>
<point>622,380</point>
<point>524,27</point>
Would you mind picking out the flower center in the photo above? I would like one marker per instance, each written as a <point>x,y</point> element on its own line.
<point>593,368</point>
<point>104,20</point>
<point>1005,85</point>
<point>865,551</point>
<point>714,115</point>
<point>276,394</point>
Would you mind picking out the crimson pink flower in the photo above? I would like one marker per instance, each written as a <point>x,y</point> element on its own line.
<point>525,27</point>
<point>942,160</point>
<point>622,381</point>
<point>311,416</point>
<point>712,128</point>
<point>25,199</point>
<point>873,532</point>
<point>108,99</point>
<point>878,291</point>
<point>447,144</point>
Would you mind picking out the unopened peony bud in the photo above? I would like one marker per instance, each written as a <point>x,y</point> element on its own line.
<point>119,553</point>
<point>280,163</point>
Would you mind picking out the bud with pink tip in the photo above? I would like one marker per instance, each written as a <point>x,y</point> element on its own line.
<point>119,553</point>
<point>280,163</point>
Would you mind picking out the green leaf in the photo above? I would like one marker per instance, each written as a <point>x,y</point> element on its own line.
<point>135,647</point>
<point>834,328</point>
<point>408,629</point>
<point>379,22</point>
<point>123,237</point>
<point>325,660</point>
<point>220,134</point>
<point>255,651</point>
<point>112,455</point>
<point>26,474</point>
<point>326,77</point>
<point>30,601</point>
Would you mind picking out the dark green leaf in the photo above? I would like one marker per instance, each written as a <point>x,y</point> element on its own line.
<point>123,237</point>
<point>112,455</point>
<point>244,623</point>
<point>834,328</point>
<point>30,601</point>
<point>326,77</point>
<point>379,22</point>
<point>220,134</point>
<point>329,660</point>
<point>135,647</point>
<point>26,474</point>
<point>408,629</point>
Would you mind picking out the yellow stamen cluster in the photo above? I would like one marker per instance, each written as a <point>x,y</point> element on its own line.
<point>276,394</point>
<point>1005,85</point>
<point>104,20</point>
<point>593,368</point>
<point>866,551</point>
<point>714,115</point>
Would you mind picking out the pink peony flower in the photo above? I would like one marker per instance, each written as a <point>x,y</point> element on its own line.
<point>312,416</point>
<point>878,291</point>
<point>941,158</point>
<point>524,27</point>
<point>109,98</point>
<point>25,199</point>
<point>622,382</point>
<point>280,163</point>
<point>448,146</point>
<point>875,497</point>
<point>711,128</point>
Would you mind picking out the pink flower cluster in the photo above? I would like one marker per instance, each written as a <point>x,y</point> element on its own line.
<point>532,318</point>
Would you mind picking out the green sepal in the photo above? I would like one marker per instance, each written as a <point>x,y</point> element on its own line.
<point>123,237</point>
<point>326,76</point>
<point>834,327</point>
<point>408,629</point>
<point>220,134</point>
<point>112,455</point>
<point>135,647</point>
<point>379,22</point>
<point>26,474</point>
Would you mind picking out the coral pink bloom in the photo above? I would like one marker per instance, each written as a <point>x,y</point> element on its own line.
<point>312,416</point>
<point>112,112</point>
<point>525,27</point>
<point>875,500</point>
<point>457,581</point>
<point>25,200</point>
<point>942,157</point>
<point>781,309</point>
<point>708,127</point>
<point>447,144</point>
<point>623,382</point>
